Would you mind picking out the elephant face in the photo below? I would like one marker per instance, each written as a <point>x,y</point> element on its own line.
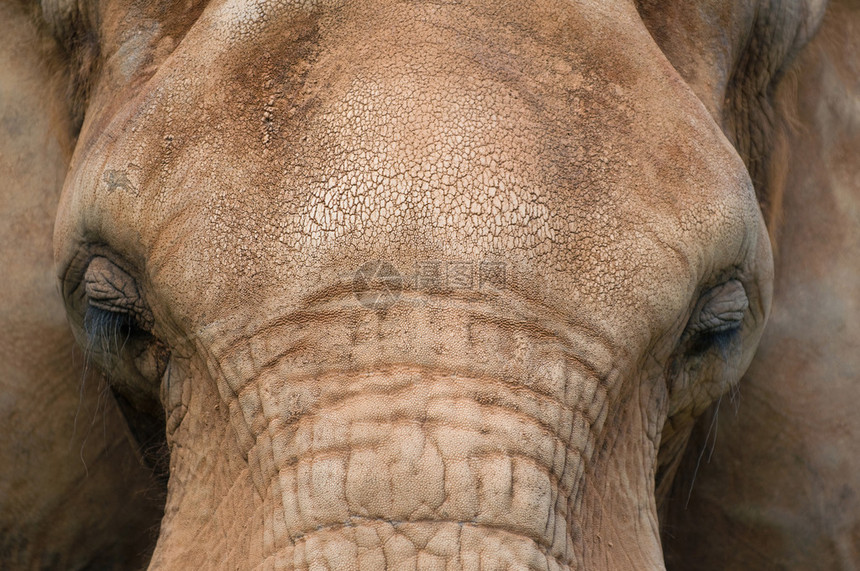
<point>443,283</point>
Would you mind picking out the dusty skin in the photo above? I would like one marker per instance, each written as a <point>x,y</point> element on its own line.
<point>430,285</point>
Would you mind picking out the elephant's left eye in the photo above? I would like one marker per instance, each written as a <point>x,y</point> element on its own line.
<point>718,317</point>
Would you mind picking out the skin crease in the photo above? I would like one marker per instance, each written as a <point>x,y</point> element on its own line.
<point>239,161</point>
<point>73,491</point>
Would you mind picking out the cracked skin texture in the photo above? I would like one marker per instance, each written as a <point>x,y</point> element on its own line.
<point>240,160</point>
<point>279,146</point>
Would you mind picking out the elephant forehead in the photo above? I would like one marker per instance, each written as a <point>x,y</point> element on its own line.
<point>453,162</point>
<point>284,164</point>
<point>413,167</point>
<point>418,134</point>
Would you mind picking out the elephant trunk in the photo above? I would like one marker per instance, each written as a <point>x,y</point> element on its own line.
<point>480,461</point>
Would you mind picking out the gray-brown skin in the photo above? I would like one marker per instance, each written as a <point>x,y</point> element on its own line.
<point>239,161</point>
<point>795,417</point>
<point>73,490</point>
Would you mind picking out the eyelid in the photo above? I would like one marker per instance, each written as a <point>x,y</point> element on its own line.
<point>109,288</point>
<point>721,308</point>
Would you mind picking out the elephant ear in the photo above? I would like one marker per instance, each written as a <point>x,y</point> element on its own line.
<point>73,492</point>
<point>734,55</point>
<point>783,483</point>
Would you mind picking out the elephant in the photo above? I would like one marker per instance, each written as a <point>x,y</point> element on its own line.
<point>456,284</point>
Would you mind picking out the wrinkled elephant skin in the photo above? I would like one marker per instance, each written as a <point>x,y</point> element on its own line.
<point>425,284</point>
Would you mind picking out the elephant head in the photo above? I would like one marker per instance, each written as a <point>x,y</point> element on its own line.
<point>443,284</point>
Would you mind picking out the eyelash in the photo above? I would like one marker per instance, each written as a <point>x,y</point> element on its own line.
<point>107,331</point>
<point>720,338</point>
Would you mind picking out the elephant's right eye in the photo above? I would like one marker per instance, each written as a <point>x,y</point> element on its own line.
<point>107,331</point>
<point>118,329</point>
<point>113,291</point>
